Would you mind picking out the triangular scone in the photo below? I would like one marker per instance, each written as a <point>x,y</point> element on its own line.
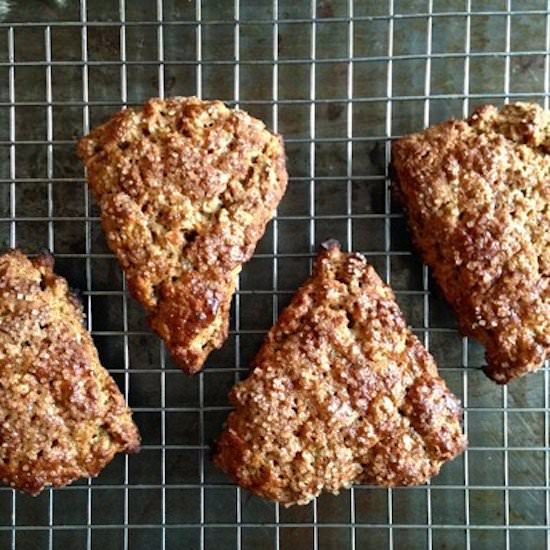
<point>186,188</point>
<point>340,392</point>
<point>477,195</point>
<point>62,417</point>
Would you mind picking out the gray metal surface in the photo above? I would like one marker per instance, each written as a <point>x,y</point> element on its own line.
<point>338,78</point>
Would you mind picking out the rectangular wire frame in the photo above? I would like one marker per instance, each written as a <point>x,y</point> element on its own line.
<point>339,79</point>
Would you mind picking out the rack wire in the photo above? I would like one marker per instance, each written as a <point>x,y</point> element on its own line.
<point>339,79</point>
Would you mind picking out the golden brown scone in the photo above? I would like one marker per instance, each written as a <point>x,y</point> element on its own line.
<point>62,417</point>
<point>341,392</point>
<point>477,195</point>
<point>186,188</point>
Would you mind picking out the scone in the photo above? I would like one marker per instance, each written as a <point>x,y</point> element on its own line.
<point>186,188</point>
<point>62,417</point>
<point>340,392</point>
<point>476,193</point>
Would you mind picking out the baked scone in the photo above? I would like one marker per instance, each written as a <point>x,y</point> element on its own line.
<point>62,417</point>
<point>340,392</point>
<point>476,193</point>
<point>186,188</point>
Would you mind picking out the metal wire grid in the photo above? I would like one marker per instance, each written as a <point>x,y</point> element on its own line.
<point>461,508</point>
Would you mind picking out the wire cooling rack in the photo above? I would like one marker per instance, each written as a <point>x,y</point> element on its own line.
<point>338,79</point>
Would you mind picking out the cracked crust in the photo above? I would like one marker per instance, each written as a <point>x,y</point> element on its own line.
<point>186,188</point>
<point>341,392</point>
<point>477,193</point>
<point>62,416</point>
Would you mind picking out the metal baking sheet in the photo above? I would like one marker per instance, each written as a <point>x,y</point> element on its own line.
<point>339,79</point>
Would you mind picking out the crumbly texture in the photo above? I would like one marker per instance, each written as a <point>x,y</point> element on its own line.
<point>62,417</point>
<point>186,188</point>
<point>341,392</point>
<point>476,193</point>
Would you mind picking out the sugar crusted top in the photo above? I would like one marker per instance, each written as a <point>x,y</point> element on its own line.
<point>62,416</point>
<point>477,196</point>
<point>186,188</point>
<point>340,392</point>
